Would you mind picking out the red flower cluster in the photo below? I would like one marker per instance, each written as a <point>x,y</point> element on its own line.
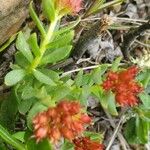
<point>84,143</point>
<point>72,6</point>
<point>65,120</point>
<point>124,86</point>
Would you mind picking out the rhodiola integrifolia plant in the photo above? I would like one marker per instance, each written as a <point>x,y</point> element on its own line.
<point>55,105</point>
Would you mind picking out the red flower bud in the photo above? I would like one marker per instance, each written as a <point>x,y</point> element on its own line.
<point>124,86</point>
<point>65,120</point>
<point>84,143</point>
<point>70,6</point>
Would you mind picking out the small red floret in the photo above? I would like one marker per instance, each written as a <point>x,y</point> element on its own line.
<point>73,6</point>
<point>65,120</point>
<point>84,143</point>
<point>124,86</point>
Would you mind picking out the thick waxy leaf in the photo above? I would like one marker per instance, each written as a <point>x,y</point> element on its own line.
<point>8,110</point>
<point>60,92</point>
<point>145,98</point>
<point>28,92</point>
<point>36,20</point>
<point>48,9</point>
<point>43,78</point>
<point>97,73</point>
<point>57,55</point>
<point>21,60</point>
<point>8,138</point>
<point>34,44</point>
<point>67,28</point>
<point>94,136</point>
<point>19,136</point>
<point>112,105</point>
<point>130,131</point>
<point>14,76</point>
<point>142,129</point>
<point>23,47</point>
<point>96,4</point>
<point>115,64</point>
<point>25,105</point>
<point>62,40</point>
<point>78,79</point>
<point>31,143</point>
<point>85,92</point>
<point>52,74</point>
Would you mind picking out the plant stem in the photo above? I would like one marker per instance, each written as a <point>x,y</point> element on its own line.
<point>115,133</point>
<point>10,140</point>
<point>46,40</point>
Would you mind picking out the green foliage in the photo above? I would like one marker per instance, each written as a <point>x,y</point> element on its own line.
<point>99,5</point>
<point>8,111</point>
<point>57,55</point>
<point>10,139</point>
<point>19,136</point>
<point>14,76</point>
<point>130,131</point>
<point>61,40</point>
<point>48,9</point>
<point>31,144</point>
<point>137,130</point>
<point>36,87</point>
<point>23,47</point>
<point>144,77</point>
<point>25,105</point>
<point>142,128</point>
<point>145,98</point>
<point>94,136</point>
<point>37,21</point>
<point>116,64</point>
<point>43,78</point>
<point>34,44</point>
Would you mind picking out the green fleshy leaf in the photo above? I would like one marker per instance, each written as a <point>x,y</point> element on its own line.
<point>60,92</point>
<point>94,136</point>
<point>78,79</point>
<point>61,40</point>
<point>111,104</point>
<point>14,77</point>
<point>68,27</point>
<point>115,64</point>
<point>36,20</point>
<point>48,9</point>
<point>56,55</point>
<point>142,130</point>
<point>34,44</point>
<point>19,136</point>
<point>43,78</point>
<point>23,47</point>
<point>25,105</point>
<point>21,60</point>
<point>130,131</point>
<point>145,98</point>
<point>7,137</point>
<point>8,110</point>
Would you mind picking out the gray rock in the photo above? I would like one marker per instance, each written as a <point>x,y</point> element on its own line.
<point>12,14</point>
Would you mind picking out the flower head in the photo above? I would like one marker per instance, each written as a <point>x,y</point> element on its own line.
<point>69,6</point>
<point>84,143</point>
<point>65,120</point>
<point>124,86</point>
